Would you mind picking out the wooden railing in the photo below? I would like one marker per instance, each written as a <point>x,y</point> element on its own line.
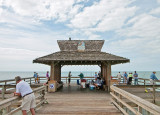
<point>140,80</point>
<point>31,80</point>
<point>75,78</point>
<point>121,99</point>
<point>7,106</point>
<point>143,83</point>
<point>7,84</point>
<point>11,83</point>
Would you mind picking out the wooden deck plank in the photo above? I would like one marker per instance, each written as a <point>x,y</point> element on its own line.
<point>76,101</point>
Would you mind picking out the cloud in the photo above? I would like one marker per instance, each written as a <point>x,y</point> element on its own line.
<point>156,11</point>
<point>102,16</point>
<point>18,54</point>
<point>102,13</point>
<point>14,59</point>
<point>116,19</point>
<point>158,1</point>
<point>141,38</point>
<point>30,29</point>
<point>59,10</point>
<point>144,25</point>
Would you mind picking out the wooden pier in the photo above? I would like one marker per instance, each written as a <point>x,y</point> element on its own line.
<point>73,100</point>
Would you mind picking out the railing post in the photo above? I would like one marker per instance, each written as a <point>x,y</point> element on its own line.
<point>30,81</point>
<point>42,98</point>
<point>154,96</point>
<point>8,109</point>
<point>120,104</point>
<point>3,91</point>
<point>144,82</point>
<point>140,109</point>
<point>66,80</point>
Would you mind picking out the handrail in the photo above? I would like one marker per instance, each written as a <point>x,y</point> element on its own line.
<point>29,80</point>
<point>9,80</point>
<point>118,95</point>
<point>9,102</point>
<point>140,80</point>
<point>14,79</point>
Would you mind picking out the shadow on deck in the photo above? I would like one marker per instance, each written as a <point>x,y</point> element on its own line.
<point>73,100</point>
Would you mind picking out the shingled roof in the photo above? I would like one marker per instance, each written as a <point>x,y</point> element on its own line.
<point>89,53</point>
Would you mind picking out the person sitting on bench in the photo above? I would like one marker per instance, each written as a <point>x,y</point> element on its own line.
<point>98,83</point>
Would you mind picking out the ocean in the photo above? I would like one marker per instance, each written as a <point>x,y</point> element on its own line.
<point>4,75</point>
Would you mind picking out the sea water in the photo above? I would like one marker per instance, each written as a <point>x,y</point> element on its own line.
<point>5,75</point>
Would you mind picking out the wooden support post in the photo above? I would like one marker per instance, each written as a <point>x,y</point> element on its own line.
<point>120,97</point>
<point>3,91</point>
<point>154,95</point>
<point>52,71</point>
<point>30,81</point>
<point>43,94</point>
<point>140,109</point>
<point>144,85</point>
<point>108,75</point>
<point>8,109</point>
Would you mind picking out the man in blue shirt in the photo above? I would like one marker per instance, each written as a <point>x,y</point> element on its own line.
<point>35,76</point>
<point>125,77</point>
<point>153,78</point>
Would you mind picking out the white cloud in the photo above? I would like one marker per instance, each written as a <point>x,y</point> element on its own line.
<point>116,19</point>
<point>104,11</point>
<point>82,1</point>
<point>59,10</point>
<point>142,38</point>
<point>102,16</point>
<point>144,25</point>
<point>14,20</point>
<point>158,1</point>
<point>156,11</point>
<point>29,29</point>
<point>18,54</point>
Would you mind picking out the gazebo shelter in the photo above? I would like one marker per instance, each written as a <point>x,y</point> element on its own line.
<point>80,52</point>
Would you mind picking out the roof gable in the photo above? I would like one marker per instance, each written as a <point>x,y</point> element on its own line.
<point>80,45</point>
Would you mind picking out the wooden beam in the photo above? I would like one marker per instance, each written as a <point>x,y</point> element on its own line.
<point>52,71</point>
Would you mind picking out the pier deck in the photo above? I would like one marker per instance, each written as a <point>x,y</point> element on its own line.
<point>73,100</point>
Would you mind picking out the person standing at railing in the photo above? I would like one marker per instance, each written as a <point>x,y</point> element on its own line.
<point>153,78</point>
<point>28,101</point>
<point>96,76</point>
<point>47,75</point>
<point>135,78</point>
<point>38,78</point>
<point>119,77</point>
<point>35,77</point>
<point>125,77</point>
<point>99,74</point>
<point>130,79</point>
<point>69,78</point>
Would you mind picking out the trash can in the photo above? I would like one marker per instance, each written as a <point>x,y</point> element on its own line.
<point>52,86</point>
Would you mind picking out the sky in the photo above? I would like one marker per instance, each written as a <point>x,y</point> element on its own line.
<point>30,29</point>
